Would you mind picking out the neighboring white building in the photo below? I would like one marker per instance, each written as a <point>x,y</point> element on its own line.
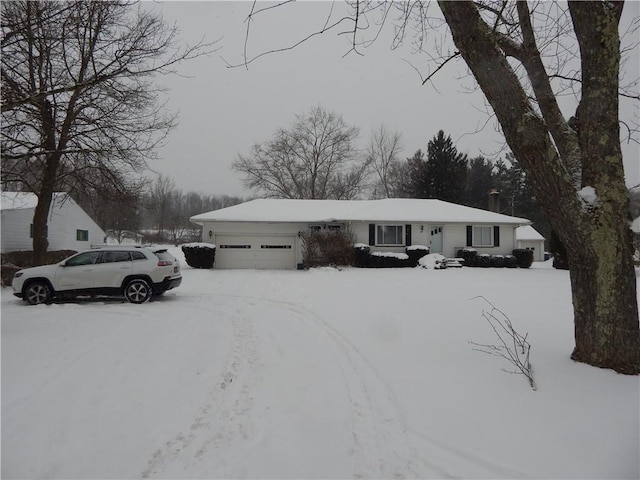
<point>265,234</point>
<point>528,238</point>
<point>69,227</point>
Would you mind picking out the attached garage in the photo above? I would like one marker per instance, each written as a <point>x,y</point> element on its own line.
<point>259,252</point>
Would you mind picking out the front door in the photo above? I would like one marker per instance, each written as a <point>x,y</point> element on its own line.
<point>436,239</point>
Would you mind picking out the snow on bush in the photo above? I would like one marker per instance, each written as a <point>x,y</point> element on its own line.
<point>433,261</point>
<point>199,255</point>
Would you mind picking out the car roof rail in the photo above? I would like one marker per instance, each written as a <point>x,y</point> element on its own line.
<point>116,246</point>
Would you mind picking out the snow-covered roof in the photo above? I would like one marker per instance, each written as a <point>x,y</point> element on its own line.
<point>527,232</point>
<point>635,225</point>
<point>386,210</point>
<point>24,200</point>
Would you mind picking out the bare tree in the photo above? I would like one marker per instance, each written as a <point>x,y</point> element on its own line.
<point>116,208</point>
<point>383,154</point>
<point>315,158</point>
<point>77,96</point>
<point>161,200</point>
<point>574,164</point>
<point>591,218</point>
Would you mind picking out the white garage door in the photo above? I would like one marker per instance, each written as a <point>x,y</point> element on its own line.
<point>260,252</point>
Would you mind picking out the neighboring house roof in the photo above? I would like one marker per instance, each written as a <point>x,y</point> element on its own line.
<point>385,210</point>
<point>527,232</point>
<point>24,200</point>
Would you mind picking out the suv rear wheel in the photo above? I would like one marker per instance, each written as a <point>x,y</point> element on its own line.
<point>137,291</point>
<point>37,292</point>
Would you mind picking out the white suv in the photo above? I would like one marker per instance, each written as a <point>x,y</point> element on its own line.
<point>135,272</point>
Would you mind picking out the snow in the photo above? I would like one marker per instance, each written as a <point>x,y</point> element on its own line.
<point>433,261</point>
<point>25,200</point>
<point>588,196</point>
<point>358,373</point>
<point>417,247</point>
<point>199,245</point>
<point>400,256</point>
<point>527,232</point>
<point>384,210</point>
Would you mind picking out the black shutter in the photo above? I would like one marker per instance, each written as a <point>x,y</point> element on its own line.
<point>469,235</point>
<point>407,235</point>
<point>372,234</point>
<point>496,236</point>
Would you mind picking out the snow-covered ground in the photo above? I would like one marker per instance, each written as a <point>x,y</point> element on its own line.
<point>311,374</point>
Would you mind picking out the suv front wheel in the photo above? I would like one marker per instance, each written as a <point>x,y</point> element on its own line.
<point>37,292</point>
<point>137,291</point>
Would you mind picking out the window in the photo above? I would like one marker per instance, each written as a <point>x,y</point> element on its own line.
<point>137,256</point>
<point>86,258</point>
<point>113,257</point>
<point>483,236</point>
<point>389,235</point>
<point>277,247</point>
<point>82,235</point>
<point>235,246</point>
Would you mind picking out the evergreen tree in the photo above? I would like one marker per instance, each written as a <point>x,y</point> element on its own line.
<point>416,177</point>
<point>516,194</point>
<point>446,170</point>
<point>480,181</point>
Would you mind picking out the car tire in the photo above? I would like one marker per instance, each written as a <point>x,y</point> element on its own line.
<point>37,293</point>
<point>137,291</point>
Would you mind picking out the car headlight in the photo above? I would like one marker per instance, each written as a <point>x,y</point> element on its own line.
<point>18,274</point>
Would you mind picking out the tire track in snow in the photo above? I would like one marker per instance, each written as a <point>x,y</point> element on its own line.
<point>227,405</point>
<point>381,448</point>
<point>384,445</point>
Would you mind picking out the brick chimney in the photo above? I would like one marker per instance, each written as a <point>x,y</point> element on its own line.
<point>494,200</point>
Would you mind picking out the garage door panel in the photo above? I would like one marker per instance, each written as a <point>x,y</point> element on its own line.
<point>266,252</point>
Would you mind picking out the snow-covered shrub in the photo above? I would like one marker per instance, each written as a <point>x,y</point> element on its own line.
<point>199,255</point>
<point>497,261</point>
<point>416,252</point>
<point>510,261</point>
<point>388,260</point>
<point>362,252</point>
<point>524,257</point>
<point>321,248</point>
<point>469,255</point>
<point>433,261</point>
<point>483,260</point>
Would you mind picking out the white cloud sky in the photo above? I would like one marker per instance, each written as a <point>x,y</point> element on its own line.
<point>224,111</point>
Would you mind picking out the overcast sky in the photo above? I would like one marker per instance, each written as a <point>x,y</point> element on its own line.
<point>224,111</point>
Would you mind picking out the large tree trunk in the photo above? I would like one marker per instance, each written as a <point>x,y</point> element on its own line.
<point>595,233</point>
<point>41,213</point>
<point>47,183</point>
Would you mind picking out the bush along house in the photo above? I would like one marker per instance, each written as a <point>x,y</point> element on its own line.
<point>268,233</point>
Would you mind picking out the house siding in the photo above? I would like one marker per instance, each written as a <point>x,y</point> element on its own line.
<point>536,245</point>
<point>454,235</point>
<point>16,225</point>
<point>65,218</point>
<point>64,221</point>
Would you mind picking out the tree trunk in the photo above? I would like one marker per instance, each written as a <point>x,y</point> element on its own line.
<point>595,233</point>
<point>41,213</point>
